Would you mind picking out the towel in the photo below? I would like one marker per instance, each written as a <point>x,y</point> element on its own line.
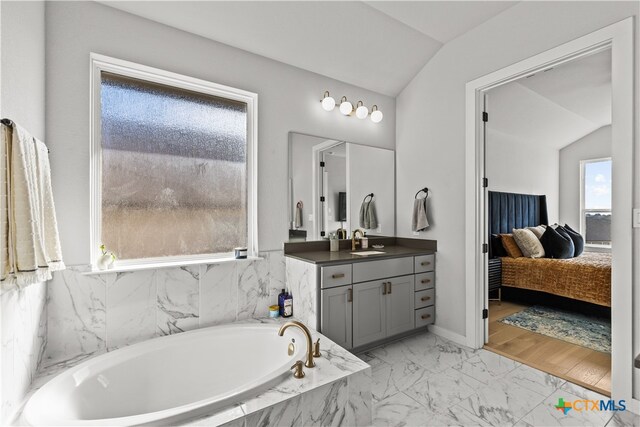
<point>368,216</point>
<point>419,221</point>
<point>298,218</point>
<point>31,248</point>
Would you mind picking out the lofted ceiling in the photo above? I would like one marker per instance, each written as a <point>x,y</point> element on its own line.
<point>555,107</point>
<point>379,46</point>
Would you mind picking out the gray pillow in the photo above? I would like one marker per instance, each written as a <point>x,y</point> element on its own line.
<point>538,231</point>
<point>528,243</point>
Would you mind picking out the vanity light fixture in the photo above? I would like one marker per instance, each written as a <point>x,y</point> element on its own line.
<point>328,103</point>
<point>361,111</point>
<point>346,108</point>
<point>376,115</point>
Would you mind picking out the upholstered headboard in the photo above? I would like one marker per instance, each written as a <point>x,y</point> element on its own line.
<point>511,210</point>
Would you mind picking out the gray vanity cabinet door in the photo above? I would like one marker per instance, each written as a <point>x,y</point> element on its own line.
<point>337,320</point>
<point>369,312</point>
<point>400,305</point>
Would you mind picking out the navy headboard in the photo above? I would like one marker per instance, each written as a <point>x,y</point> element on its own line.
<point>511,210</point>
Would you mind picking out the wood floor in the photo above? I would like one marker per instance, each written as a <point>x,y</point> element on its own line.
<point>579,365</point>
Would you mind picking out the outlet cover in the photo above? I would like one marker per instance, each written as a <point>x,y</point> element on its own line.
<point>636,218</point>
<point>416,233</point>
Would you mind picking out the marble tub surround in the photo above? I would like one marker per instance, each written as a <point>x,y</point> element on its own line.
<point>23,336</point>
<point>428,380</point>
<point>301,281</point>
<point>88,313</point>
<point>336,392</point>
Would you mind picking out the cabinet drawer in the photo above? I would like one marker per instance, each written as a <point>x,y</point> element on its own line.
<point>425,263</point>
<point>425,281</point>
<point>335,275</point>
<point>425,298</point>
<point>425,316</point>
<point>381,269</point>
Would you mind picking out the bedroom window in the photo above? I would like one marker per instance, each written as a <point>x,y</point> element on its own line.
<point>596,202</point>
<point>173,175</point>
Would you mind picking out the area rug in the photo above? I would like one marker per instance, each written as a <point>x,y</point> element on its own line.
<point>587,331</point>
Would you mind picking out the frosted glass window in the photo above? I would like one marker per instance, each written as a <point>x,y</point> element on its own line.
<point>174,170</point>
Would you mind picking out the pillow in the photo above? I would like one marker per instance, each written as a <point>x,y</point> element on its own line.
<point>510,246</point>
<point>557,245</point>
<point>497,250</point>
<point>560,229</point>
<point>578,240</point>
<point>528,243</point>
<point>538,231</point>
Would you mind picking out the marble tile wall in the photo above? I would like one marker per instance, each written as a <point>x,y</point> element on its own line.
<point>100,312</point>
<point>23,335</point>
<point>301,278</point>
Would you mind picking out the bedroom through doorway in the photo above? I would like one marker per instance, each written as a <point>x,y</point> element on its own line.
<point>548,161</point>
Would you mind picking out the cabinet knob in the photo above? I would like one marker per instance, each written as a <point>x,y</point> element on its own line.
<point>425,298</point>
<point>337,276</point>
<point>425,316</point>
<point>425,263</point>
<point>425,281</point>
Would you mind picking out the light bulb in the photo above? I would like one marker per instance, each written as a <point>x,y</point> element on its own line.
<point>376,115</point>
<point>362,112</point>
<point>345,106</point>
<point>328,103</point>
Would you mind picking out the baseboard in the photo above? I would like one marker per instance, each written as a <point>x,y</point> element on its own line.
<point>445,333</point>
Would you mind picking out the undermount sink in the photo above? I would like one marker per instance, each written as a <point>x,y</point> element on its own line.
<point>367,253</point>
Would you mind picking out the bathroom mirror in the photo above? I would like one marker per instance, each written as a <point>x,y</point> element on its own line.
<point>332,184</point>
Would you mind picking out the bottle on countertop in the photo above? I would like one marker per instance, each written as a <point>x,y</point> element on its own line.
<point>287,305</point>
<point>281,302</point>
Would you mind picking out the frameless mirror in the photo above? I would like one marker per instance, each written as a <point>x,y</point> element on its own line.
<point>337,187</point>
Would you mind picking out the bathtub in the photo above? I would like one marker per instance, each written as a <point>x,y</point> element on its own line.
<point>168,379</point>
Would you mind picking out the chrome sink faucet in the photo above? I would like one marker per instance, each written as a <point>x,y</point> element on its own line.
<point>307,334</point>
<point>355,242</point>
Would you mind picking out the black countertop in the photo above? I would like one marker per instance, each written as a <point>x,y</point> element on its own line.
<point>345,256</point>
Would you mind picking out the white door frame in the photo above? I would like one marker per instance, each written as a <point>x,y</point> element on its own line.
<point>618,37</point>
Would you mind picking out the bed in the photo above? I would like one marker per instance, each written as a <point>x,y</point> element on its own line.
<point>584,278</point>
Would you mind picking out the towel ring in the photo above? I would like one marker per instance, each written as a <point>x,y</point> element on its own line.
<point>365,197</point>
<point>425,190</point>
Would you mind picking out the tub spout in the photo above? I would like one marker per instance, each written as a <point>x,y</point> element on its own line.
<point>309,363</point>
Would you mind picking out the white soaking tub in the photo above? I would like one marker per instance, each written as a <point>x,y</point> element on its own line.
<point>168,379</point>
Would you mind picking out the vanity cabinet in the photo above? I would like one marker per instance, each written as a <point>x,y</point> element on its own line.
<point>366,302</point>
<point>337,312</point>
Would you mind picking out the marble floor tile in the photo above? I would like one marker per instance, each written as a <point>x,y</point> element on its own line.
<point>373,361</point>
<point>534,380</point>
<point>441,391</point>
<point>582,392</point>
<point>485,366</point>
<point>400,410</point>
<point>624,419</point>
<point>546,413</point>
<point>390,379</point>
<point>502,402</point>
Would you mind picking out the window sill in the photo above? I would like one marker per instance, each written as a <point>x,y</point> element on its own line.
<point>92,270</point>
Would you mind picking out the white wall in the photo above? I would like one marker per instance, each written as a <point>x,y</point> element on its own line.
<point>596,145</point>
<point>22,99</point>
<point>288,100</point>
<point>430,136</point>
<point>516,167</point>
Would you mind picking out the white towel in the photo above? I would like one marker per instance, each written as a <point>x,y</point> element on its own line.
<point>419,221</point>
<point>31,248</point>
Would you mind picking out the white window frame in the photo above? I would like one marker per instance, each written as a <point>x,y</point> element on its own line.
<point>583,210</point>
<point>100,63</point>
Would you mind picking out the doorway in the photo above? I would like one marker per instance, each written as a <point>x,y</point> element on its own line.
<point>619,38</point>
